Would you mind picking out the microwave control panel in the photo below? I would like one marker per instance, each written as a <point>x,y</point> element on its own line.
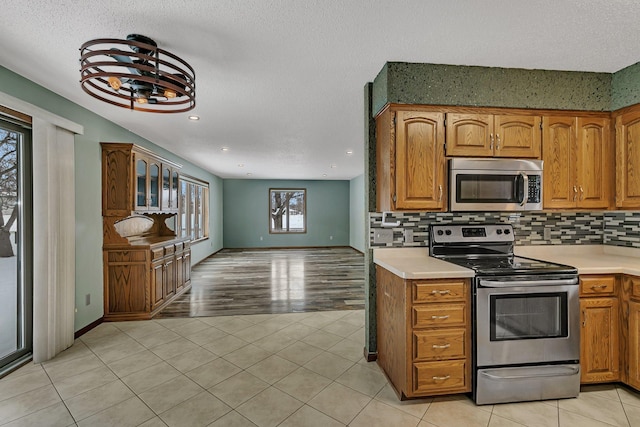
<point>535,188</point>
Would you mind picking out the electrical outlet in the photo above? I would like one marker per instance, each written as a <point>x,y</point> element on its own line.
<point>260,238</point>
<point>330,237</point>
<point>383,236</point>
<point>408,235</point>
<point>547,234</point>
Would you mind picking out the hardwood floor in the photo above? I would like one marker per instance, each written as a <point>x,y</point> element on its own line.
<point>260,281</point>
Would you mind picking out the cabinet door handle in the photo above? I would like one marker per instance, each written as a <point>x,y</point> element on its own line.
<point>497,141</point>
<point>584,319</point>
<point>441,346</point>
<point>581,193</point>
<point>446,377</point>
<point>440,317</point>
<point>575,193</point>
<point>440,192</point>
<point>594,287</point>
<point>436,292</point>
<point>491,144</point>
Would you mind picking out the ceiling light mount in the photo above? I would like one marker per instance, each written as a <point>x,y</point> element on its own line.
<point>136,74</point>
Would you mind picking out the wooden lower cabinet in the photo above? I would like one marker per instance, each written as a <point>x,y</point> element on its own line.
<point>599,329</point>
<point>599,360</point>
<point>140,282</point>
<point>633,357</point>
<point>630,336</point>
<point>424,338</point>
<point>610,340</point>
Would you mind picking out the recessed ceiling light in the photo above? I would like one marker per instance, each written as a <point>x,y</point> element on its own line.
<point>194,118</point>
<point>349,152</point>
<point>324,174</point>
<point>225,149</point>
<point>333,166</point>
<point>249,174</point>
<point>240,165</point>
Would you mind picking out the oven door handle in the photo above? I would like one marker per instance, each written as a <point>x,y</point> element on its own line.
<point>566,372</point>
<point>513,283</point>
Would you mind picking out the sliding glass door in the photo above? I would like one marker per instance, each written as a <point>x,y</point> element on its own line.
<point>15,244</point>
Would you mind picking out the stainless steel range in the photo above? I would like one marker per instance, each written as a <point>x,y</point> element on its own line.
<point>526,338</point>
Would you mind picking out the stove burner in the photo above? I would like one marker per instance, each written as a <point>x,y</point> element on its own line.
<point>488,250</point>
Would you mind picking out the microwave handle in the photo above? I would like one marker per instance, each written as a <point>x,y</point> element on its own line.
<point>525,188</point>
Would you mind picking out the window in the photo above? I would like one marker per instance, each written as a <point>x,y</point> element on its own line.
<point>287,210</point>
<point>193,219</point>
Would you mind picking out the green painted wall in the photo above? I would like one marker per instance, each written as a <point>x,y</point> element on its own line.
<point>357,213</point>
<point>435,84</point>
<point>88,188</point>
<point>246,214</point>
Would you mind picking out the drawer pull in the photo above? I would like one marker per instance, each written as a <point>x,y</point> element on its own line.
<point>446,377</point>
<point>440,317</point>
<point>441,346</point>
<point>445,292</point>
<point>594,287</point>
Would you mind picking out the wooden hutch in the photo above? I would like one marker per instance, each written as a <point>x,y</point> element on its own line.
<point>146,265</point>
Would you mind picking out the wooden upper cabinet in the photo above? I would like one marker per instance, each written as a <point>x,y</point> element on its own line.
<point>133,180</point>
<point>410,161</point>
<point>594,171</point>
<point>628,159</point>
<point>517,136</point>
<point>116,180</point>
<point>558,154</point>
<point>487,135</point>
<point>577,166</point>
<point>469,135</point>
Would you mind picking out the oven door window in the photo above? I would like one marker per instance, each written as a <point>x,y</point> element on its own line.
<point>528,316</point>
<point>473,188</point>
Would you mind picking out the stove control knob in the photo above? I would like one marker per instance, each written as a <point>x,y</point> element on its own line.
<point>440,232</point>
<point>447,232</point>
<point>506,231</point>
<point>498,232</point>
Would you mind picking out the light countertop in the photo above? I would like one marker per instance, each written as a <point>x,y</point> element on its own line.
<point>588,259</point>
<point>415,263</point>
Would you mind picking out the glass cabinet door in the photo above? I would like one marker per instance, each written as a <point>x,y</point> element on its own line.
<point>154,186</point>
<point>166,188</point>
<point>174,190</point>
<point>141,184</point>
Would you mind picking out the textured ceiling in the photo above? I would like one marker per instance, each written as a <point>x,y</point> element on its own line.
<point>280,83</point>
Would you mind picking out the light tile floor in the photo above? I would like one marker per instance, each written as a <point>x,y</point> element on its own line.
<point>292,370</point>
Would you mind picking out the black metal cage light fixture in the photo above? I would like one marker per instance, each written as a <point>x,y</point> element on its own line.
<point>136,74</point>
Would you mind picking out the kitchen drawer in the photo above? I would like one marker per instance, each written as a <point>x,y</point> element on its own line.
<point>436,315</point>
<point>440,377</point>
<point>437,291</point>
<point>179,246</point>
<point>126,256</point>
<point>439,344</point>
<point>157,253</point>
<point>169,249</point>
<point>597,285</point>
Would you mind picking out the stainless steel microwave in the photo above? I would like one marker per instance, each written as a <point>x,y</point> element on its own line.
<point>495,185</point>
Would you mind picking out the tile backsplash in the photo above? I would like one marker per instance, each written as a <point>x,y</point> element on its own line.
<point>590,228</point>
